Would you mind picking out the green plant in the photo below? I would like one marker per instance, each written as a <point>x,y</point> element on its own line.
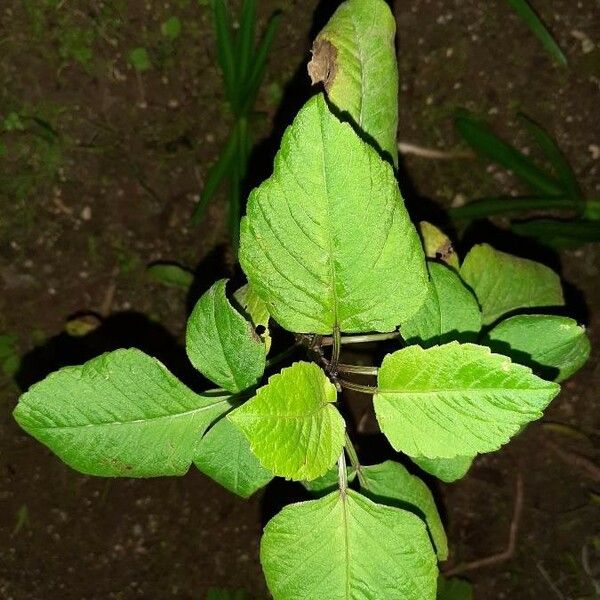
<point>555,190</point>
<point>243,65</point>
<point>537,27</point>
<point>331,255</point>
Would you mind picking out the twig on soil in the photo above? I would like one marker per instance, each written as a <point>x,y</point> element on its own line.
<point>549,581</point>
<point>509,552</point>
<point>576,460</point>
<point>109,296</point>
<point>432,153</point>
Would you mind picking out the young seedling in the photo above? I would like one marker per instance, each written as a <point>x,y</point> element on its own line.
<point>331,255</point>
<point>243,65</point>
<point>555,190</point>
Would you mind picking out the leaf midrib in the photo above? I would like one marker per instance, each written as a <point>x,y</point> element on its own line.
<point>134,421</point>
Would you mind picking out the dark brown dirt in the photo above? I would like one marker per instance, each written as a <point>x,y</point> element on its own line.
<point>83,215</point>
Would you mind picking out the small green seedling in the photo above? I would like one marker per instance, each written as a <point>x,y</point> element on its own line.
<point>243,65</point>
<point>331,256</point>
<point>555,190</point>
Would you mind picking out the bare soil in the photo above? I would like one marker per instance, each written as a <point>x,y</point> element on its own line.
<point>104,182</point>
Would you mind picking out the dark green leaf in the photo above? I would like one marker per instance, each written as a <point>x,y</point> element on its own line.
<point>216,174</point>
<point>562,234</point>
<point>481,138</point>
<point>557,159</point>
<point>488,207</point>
<point>536,25</point>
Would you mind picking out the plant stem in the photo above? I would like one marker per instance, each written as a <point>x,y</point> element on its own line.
<point>358,369</point>
<point>342,474</point>
<point>361,339</point>
<point>281,356</point>
<point>353,456</point>
<point>357,387</point>
<point>335,355</point>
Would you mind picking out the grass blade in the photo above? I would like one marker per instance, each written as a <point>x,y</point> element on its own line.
<point>560,233</point>
<point>219,171</point>
<point>557,159</point>
<point>487,207</point>
<point>486,143</point>
<point>225,47</point>
<point>537,27</point>
<point>245,46</point>
<point>260,60</point>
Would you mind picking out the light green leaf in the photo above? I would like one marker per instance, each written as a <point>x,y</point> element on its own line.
<point>171,274</point>
<point>343,546</point>
<point>503,282</point>
<point>355,58</point>
<point>121,414</point>
<point>437,244</point>
<point>554,346</point>
<point>256,309</point>
<point>327,241</point>
<point>390,483</point>
<point>292,425</point>
<point>450,312</point>
<point>328,482</point>
<point>222,344</point>
<point>456,400</point>
<point>446,469</point>
<point>224,455</point>
<point>454,589</point>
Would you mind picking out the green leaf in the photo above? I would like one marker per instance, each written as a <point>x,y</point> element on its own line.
<point>537,27</point>
<point>456,400</point>
<point>454,589</point>
<point>222,344</point>
<point>557,159</point>
<point>245,39</point>
<point>171,274</point>
<point>171,28</point>
<point>139,59</point>
<point>553,346</point>
<point>256,73</point>
<point>502,205</point>
<point>450,311</point>
<point>292,425</point>
<point>256,309</point>
<point>225,48</point>
<point>344,546</point>
<point>327,241</point>
<point>224,455</point>
<point>446,469</point>
<point>503,282</point>
<point>220,171</point>
<point>390,483</point>
<point>558,233</point>
<point>355,58</point>
<point>486,143</point>
<point>437,244</point>
<point>121,414</point>
<point>328,482</point>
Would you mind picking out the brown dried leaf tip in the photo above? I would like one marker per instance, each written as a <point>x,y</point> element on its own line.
<point>323,65</point>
